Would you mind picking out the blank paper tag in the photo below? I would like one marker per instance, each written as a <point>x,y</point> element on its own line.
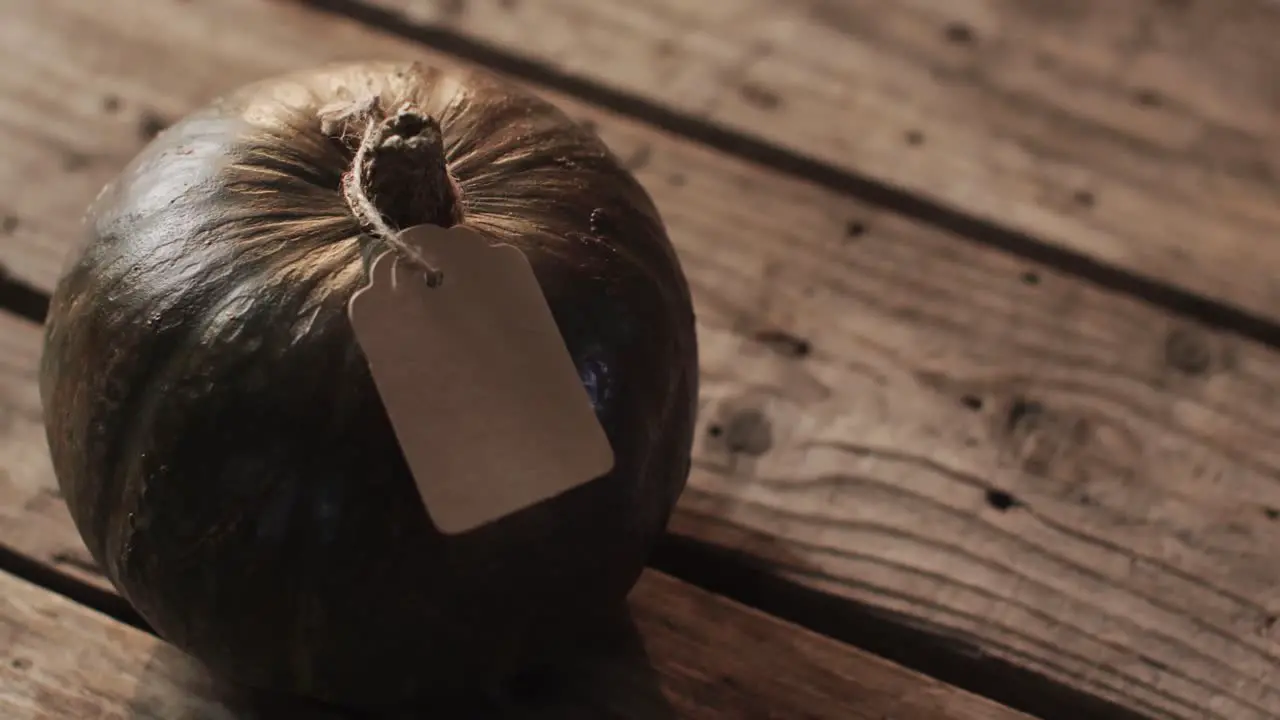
<point>484,397</point>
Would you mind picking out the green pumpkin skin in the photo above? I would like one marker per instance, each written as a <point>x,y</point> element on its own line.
<point>219,440</point>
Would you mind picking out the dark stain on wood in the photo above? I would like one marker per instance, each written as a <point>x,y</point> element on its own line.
<point>20,664</point>
<point>972,402</point>
<point>110,104</point>
<point>8,224</point>
<point>1084,198</point>
<point>914,138</point>
<point>1188,352</point>
<point>1146,97</point>
<point>855,229</point>
<point>784,343</point>
<point>1030,278</point>
<point>759,96</point>
<point>959,33</point>
<point>73,161</point>
<point>748,432</point>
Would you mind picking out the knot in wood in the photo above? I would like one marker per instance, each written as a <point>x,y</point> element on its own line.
<point>1043,437</point>
<point>748,432</point>
<point>1187,352</point>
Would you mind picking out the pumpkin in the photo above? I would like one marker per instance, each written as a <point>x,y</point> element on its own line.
<point>218,437</point>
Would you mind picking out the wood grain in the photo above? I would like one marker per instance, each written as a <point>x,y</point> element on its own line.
<point>689,655</point>
<point>1054,476</point>
<point>1143,134</point>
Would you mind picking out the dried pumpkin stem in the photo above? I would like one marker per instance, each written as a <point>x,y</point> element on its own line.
<point>398,179</point>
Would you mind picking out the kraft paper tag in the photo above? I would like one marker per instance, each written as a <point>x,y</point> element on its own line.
<point>475,377</point>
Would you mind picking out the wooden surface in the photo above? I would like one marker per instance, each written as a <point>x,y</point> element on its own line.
<point>1038,471</point>
<point>1144,134</point>
<point>690,655</point>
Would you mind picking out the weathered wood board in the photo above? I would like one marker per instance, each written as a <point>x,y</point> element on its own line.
<point>1059,477</point>
<point>1144,134</point>
<point>690,655</point>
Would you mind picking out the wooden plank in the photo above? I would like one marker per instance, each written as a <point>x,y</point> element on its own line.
<point>1143,134</point>
<point>690,655</point>
<point>1051,475</point>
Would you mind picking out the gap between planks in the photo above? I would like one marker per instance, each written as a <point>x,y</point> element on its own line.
<point>940,435</point>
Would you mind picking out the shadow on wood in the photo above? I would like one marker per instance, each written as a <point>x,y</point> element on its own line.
<point>609,676</point>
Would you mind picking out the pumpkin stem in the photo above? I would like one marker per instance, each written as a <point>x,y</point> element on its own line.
<point>399,178</point>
